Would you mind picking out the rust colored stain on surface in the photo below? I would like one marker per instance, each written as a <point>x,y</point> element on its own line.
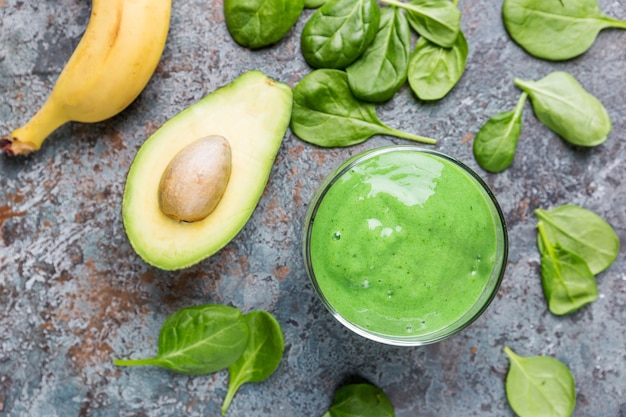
<point>295,152</point>
<point>276,214</point>
<point>297,193</point>
<point>6,213</point>
<point>319,156</point>
<point>227,262</point>
<point>101,306</point>
<point>117,140</point>
<point>473,352</point>
<point>281,272</point>
<point>467,138</point>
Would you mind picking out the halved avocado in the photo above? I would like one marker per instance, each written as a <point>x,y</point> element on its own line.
<point>252,113</point>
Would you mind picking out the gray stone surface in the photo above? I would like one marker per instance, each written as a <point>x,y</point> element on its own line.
<point>73,294</point>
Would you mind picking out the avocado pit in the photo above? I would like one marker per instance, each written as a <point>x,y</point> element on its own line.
<point>194,181</point>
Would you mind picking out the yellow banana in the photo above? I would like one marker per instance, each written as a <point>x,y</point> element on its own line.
<point>111,65</point>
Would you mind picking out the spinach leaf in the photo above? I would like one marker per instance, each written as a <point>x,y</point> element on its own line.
<point>434,70</point>
<point>261,357</point>
<point>567,282</point>
<point>582,232</point>
<point>439,21</point>
<point>339,32</point>
<point>382,69</point>
<point>259,23</point>
<point>496,141</point>
<point>198,340</point>
<point>360,400</point>
<point>325,113</point>
<point>556,29</point>
<point>314,4</point>
<point>539,386</point>
<point>564,106</point>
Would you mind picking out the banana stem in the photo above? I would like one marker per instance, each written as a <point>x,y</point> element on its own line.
<point>29,137</point>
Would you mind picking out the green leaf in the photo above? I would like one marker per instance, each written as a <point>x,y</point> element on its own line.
<point>434,70</point>
<point>567,282</point>
<point>582,232</point>
<point>259,23</point>
<point>439,21</point>
<point>326,113</point>
<point>261,357</point>
<point>382,69</point>
<point>496,141</point>
<point>360,400</point>
<point>339,32</point>
<point>198,340</point>
<point>539,386</point>
<point>565,107</point>
<point>556,29</point>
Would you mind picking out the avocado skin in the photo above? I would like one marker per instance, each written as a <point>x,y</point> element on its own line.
<point>253,113</point>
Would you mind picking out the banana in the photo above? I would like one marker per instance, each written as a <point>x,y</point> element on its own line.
<point>111,65</point>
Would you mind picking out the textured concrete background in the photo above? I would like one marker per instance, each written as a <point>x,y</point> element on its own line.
<point>73,294</point>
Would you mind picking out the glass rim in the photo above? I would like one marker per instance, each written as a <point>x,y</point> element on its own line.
<point>484,299</point>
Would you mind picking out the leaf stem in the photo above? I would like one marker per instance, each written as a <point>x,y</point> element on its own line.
<point>616,23</point>
<point>227,400</point>
<point>509,353</point>
<point>557,265</point>
<point>520,105</point>
<point>397,3</point>
<point>404,135</point>
<point>544,239</point>
<point>521,83</point>
<point>134,362</point>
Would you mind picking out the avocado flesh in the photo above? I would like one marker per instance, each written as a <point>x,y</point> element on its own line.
<point>252,113</point>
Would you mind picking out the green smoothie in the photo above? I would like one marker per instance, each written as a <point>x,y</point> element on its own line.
<point>406,243</point>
